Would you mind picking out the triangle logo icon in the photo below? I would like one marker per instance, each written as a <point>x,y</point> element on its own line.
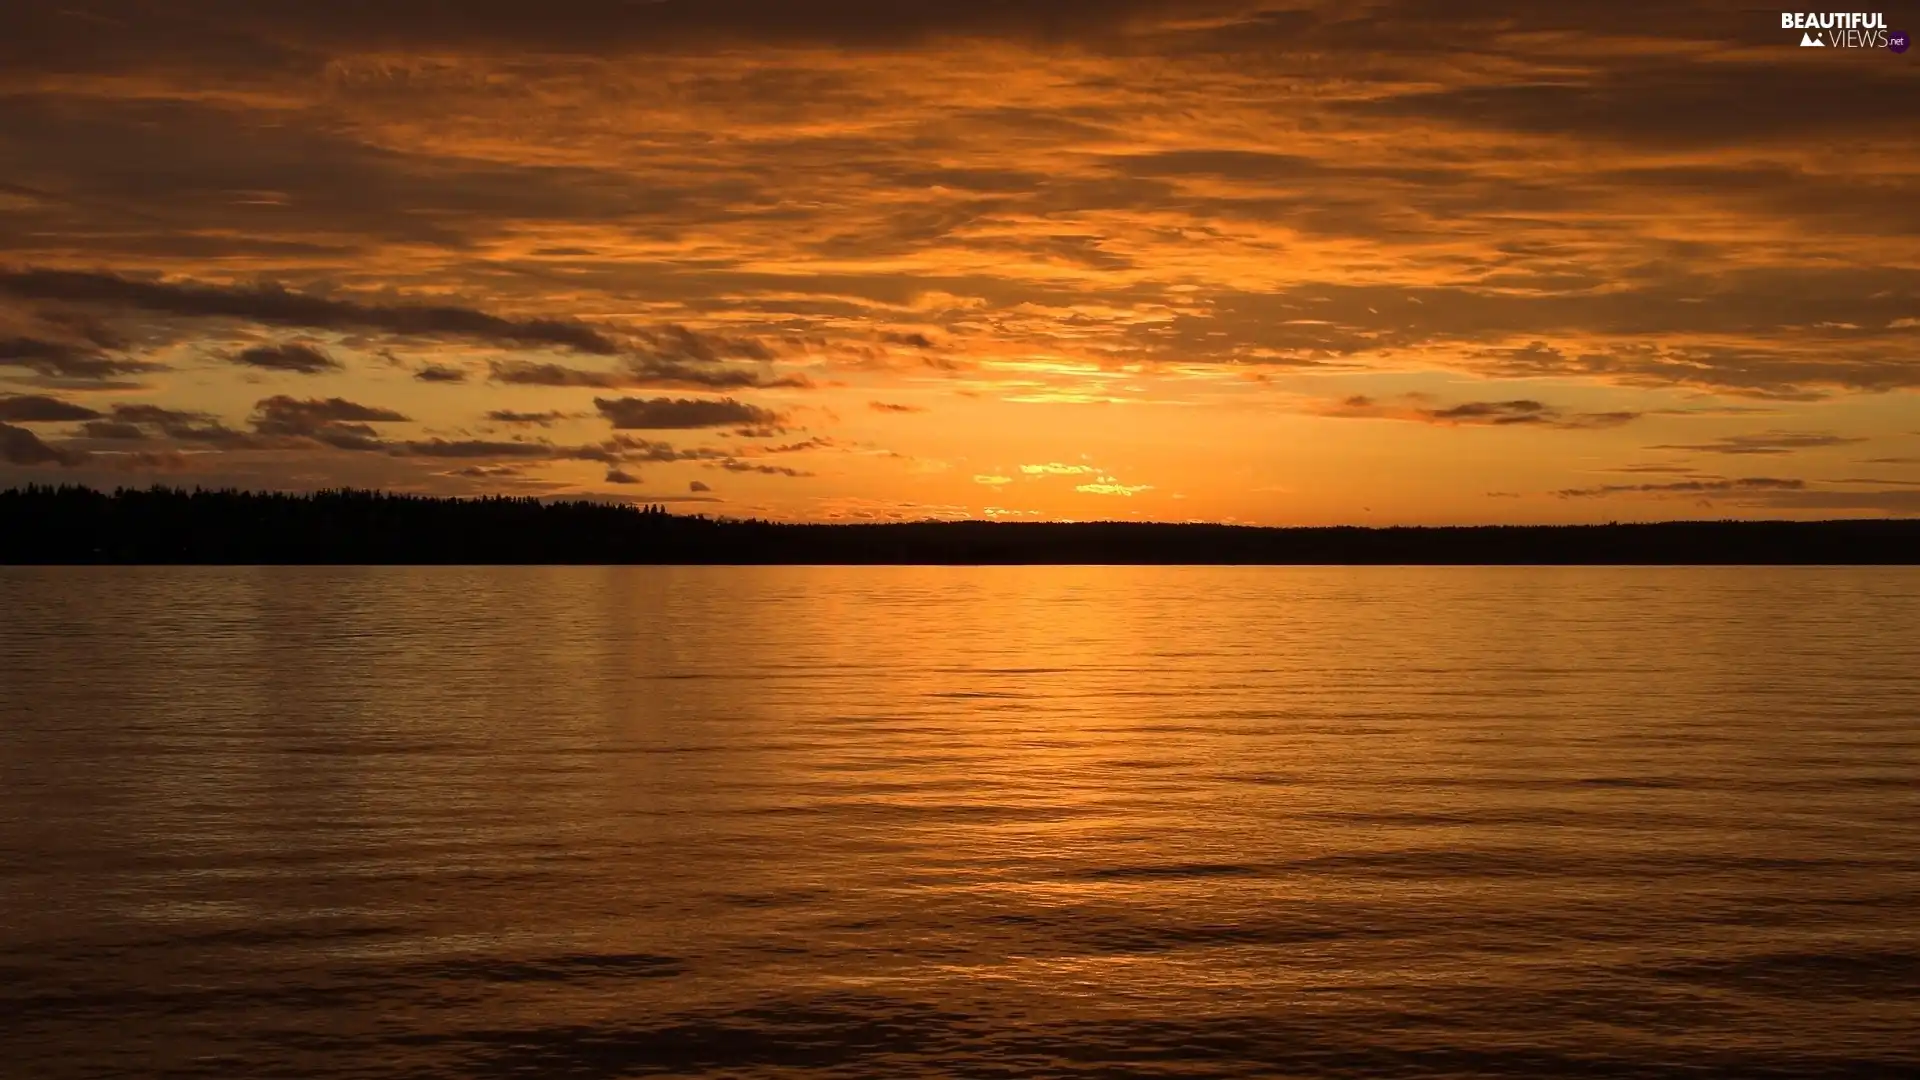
<point>1809,40</point>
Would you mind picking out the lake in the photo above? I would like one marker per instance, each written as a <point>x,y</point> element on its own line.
<point>982,822</point>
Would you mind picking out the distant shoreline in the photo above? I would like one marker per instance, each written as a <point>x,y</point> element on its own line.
<point>164,526</point>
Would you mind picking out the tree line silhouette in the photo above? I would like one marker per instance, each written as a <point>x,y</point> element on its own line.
<point>70,524</point>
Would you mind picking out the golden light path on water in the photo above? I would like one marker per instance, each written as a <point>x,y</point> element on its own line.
<point>960,821</point>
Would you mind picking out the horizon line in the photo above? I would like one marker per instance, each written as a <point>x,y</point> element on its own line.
<point>659,504</point>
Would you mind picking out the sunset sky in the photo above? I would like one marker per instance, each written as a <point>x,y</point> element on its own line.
<point>1432,261</point>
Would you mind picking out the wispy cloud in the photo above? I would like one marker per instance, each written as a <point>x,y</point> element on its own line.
<point>275,305</point>
<point>1766,442</point>
<point>639,373</point>
<point>629,414</point>
<point>18,446</point>
<point>1687,487</point>
<point>1109,486</point>
<point>292,356</point>
<point>69,360</point>
<point>336,422</point>
<point>540,419</point>
<point>38,408</point>
<point>1510,413</point>
<point>440,373</point>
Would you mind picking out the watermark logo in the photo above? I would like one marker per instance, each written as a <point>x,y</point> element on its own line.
<point>1897,40</point>
<point>1843,30</point>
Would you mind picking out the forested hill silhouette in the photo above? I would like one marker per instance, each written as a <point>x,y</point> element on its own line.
<point>48,525</point>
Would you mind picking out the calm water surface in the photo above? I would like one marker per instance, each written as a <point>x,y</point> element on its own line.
<point>995,822</point>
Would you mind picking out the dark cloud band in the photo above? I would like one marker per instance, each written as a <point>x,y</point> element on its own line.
<point>277,306</point>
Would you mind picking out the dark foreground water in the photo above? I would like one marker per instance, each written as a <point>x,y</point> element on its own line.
<point>900,822</point>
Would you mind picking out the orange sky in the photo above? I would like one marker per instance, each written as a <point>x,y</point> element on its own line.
<point>1282,263</point>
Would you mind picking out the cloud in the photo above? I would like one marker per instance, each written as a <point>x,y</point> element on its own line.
<point>291,356</point>
<point>629,448</point>
<point>817,442</point>
<point>1492,412</point>
<point>631,414</point>
<point>640,373</point>
<point>64,360</point>
<point>1055,468</point>
<point>159,414</point>
<point>472,448</point>
<point>133,422</point>
<point>698,485</point>
<point>991,480</point>
<point>529,373</point>
<point>36,408</point>
<point>677,344</point>
<point>618,475</point>
<point>664,356</point>
<point>18,446</point>
<point>112,429</point>
<point>738,466</point>
<point>440,373</point>
<point>890,407</point>
<point>1517,412</point>
<point>1769,364</point>
<point>1767,442</point>
<point>1746,484</point>
<point>336,422</point>
<point>218,434</point>
<point>283,423</point>
<point>1109,486</point>
<point>300,415</point>
<point>1875,480</point>
<point>275,305</point>
<point>509,416</point>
